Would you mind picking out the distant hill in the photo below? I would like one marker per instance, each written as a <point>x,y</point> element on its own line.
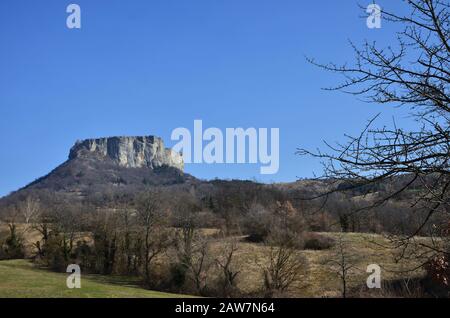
<point>97,166</point>
<point>107,172</point>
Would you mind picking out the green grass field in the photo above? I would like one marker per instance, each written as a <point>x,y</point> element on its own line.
<point>19,279</point>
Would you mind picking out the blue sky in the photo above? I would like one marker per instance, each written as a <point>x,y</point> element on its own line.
<point>147,67</point>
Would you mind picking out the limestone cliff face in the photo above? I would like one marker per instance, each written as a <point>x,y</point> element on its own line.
<point>132,152</point>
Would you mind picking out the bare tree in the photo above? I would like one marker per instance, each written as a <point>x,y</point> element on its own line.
<point>42,224</point>
<point>199,265</point>
<point>187,221</point>
<point>29,208</point>
<point>284,270</point>
<point>192,247</point>
<point>151,216</point>
<point>415,74</point>
<point>126,223</point>
<point>228,269</point>
<point>342,263</point>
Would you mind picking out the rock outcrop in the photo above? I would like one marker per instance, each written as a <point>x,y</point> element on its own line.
<point>130,152</point>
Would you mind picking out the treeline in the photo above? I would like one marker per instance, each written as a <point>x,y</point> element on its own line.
<point>168,240</point>
<point>228,203</point>
<point>182,241</point>
<point>184,237</point>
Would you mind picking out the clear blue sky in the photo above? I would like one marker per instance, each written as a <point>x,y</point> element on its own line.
<point>147,67</point>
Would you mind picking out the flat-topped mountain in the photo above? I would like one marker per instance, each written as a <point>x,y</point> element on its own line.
<point>129,152</point>
<point>96,167</point>
<point>109,173</point>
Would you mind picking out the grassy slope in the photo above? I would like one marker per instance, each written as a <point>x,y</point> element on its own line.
<point>320,279</point>
<point>364,249</point>
<point>18,278</point>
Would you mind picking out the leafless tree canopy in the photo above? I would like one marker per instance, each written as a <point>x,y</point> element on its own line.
<point>413,73</point>
<point>342,263</point>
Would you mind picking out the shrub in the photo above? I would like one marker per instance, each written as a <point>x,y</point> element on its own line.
<point>178,273</point>
<point>257,223</point>
<point>283,223</point>
<point>438,270</point>
<point>13,246</point>
<point>284,271</point>
<point>316,241</point>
